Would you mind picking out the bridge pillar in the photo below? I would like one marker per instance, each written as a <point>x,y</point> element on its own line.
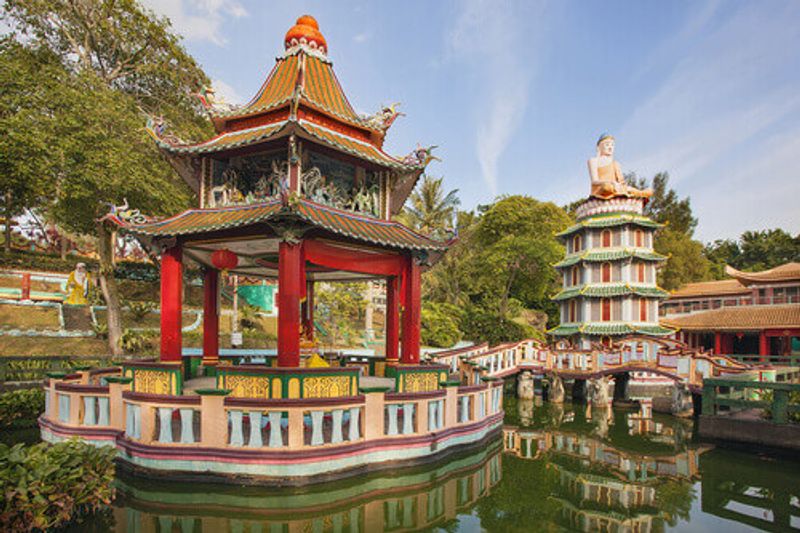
<point>555,392</point>
<point>682,403</point>
<point>600,391</point>
<point>525,385</point>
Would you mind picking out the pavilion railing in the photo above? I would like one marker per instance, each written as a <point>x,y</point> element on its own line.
<point>213,419</point>
<point>781,360</point>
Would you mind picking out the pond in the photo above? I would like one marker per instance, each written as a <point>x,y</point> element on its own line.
<point>554,468</point>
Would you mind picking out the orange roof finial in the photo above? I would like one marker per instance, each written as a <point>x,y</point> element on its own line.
<point>306,31</point>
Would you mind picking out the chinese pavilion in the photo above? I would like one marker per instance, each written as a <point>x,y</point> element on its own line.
<point>294,186</point>
<point>609,272</point>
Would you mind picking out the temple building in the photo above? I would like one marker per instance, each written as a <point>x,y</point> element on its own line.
<point>609,272</point>
<point>750,313</point>
<point>294,186</point>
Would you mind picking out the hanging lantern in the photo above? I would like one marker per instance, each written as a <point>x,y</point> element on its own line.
<point>224,260</point>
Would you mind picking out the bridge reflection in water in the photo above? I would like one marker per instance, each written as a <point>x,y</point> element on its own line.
<point>554,467</point>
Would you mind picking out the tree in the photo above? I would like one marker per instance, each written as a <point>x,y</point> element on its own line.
<point>686,262</point>
<point>342,305</point>
<point>440,324</point>
<point>665,206</point>
<point>430,210</point>
<point>122,62</point>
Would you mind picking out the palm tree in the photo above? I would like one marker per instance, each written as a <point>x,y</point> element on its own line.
<point>429,210</point>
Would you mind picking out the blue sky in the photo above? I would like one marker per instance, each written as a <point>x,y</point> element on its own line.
<point>516,93</point>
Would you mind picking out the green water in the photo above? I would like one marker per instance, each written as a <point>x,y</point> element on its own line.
<point>553,469</point>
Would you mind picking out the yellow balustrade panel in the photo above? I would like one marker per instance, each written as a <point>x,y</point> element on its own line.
<point>420,381</point>
<point>154,382</point>
<point>326,386</point>
<point>247,386</point>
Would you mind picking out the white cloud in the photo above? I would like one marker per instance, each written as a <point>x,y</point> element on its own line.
<point>733,85</point>
<point>226,93</point>
<point>361,37</point>
<point>490,37</point>
<point>198,20</point>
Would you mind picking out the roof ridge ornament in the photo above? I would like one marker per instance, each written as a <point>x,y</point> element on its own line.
<point>305,34</point>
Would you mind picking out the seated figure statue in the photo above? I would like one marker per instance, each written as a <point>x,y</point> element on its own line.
<point>606,174</point>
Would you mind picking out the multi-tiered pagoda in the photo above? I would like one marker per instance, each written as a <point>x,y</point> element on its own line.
<point>294,186</point>
<point>609,272</point>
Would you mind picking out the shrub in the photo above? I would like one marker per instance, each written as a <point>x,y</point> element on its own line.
<point>48,486</point>
<point>440,324</point>
<point>21,408</point>
<point>139,310</point>
<point>481,325</point>
<point>136,341</point>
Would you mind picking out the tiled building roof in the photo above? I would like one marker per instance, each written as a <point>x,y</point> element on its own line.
<point>607,290</point>
<point>785,272</point>
<point>724,287</point>
<point>600,255</point>
<point>739,318</point>
<point>358,227</point>
<point>612,328</point>
<point>609,221</point>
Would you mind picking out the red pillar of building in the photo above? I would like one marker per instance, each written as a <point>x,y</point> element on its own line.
<point>717,342</point>
<point>289,291</point>
<point>171,303</point>
<point>392,320</point>
<point>307,311</point>
<point>411,315</point>
<point>763,345</point>
<point>211,317</point>
<point>25,292</point>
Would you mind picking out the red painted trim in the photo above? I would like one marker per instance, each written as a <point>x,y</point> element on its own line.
<point>717,343</point>
<point>160,398</point>
<point>77,387</point>
<point>289,290</point>
<point>782,332</point>
<point>344,401</point>
<point>339,258</point>
<point>211,316</point>
<point>171,303</point>
<point>472,388</point>
<point>268,371</point>
<point>412,396</point>
<point>94,433</point>
<point>104,371</point>
<point>458,351</point>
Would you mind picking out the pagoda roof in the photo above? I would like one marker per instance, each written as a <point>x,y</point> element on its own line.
<point>739,318</point>
<point>785,272</point>
<point>304,128</point>
<point>357,227</point>
<point>609,328</point>
<point>611,220</point>
<point>607,290</point>
<point>600,255</point>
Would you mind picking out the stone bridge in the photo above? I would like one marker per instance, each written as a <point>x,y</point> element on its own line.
<point>666,362</point>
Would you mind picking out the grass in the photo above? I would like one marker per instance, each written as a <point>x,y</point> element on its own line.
<point>52,346</point>
<point>28,317</point>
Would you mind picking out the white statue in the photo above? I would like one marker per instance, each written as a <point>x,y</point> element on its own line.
<point>606,174</point>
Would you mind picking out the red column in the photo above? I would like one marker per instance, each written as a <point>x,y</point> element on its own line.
<point>289,290</point>
<point>211,317</point>
<point>392,320</point>
<point>717,343</point>
<point>763,345</point>
<point>307,311</point>
<point>171,303</point>
<point>25,292</point>
<point>411,315</point>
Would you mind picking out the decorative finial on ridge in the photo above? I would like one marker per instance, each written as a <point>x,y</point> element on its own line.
<point>306,32</point>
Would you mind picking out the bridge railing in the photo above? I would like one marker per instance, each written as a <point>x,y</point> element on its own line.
<point>777,360</point>
<point>779,401</point>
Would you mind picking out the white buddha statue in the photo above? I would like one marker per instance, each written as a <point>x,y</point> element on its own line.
<point>606,174</point>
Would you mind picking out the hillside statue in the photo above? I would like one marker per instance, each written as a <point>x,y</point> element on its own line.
<point>78,286</point>
<point>606,175</point>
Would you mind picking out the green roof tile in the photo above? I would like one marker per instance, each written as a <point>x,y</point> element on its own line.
<point>607,290</point>
<point>599,255</point>
<point>608,221</point>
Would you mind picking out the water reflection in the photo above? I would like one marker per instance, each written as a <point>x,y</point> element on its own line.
<point>555,467</point>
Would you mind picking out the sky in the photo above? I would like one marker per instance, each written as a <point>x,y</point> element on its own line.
<point>515,94</point>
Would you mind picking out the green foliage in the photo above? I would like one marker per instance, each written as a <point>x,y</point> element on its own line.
<point>137,342</point>
<point>139,310</point>
<point>48,486</point>
<point>430,210</point>
<point>21,408</point>
<point>485,325</point>
<point>754,251</point>
<point>341,306</point>
<point>24,259</point>
<point>440,324</point>
<point>100,330</point>
<point>686,262</point>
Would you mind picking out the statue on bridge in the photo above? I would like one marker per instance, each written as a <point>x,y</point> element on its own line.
<point>606,174</point>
